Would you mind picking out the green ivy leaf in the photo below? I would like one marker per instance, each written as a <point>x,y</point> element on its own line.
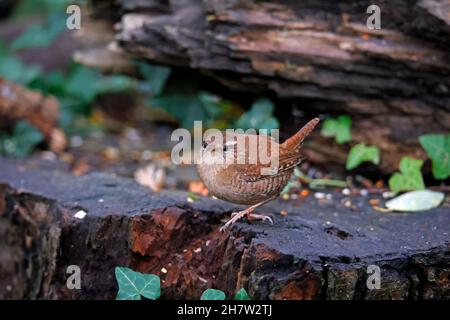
<point>133,285</point>
<point>155,77</point>
<point>185,108</point>
<point>41,35</point>
<point>114,83</point>
<point>409,177</point>
<point>214,105</point>
<point>81,83</point>
<point>23,140</point>
<point>338,128</point>
<point>213,294</point>
<point>26,8</point>
<point>361,153</point>
<point>437,147</point>
<point>260,116</point>
<point>13,69</point>
<point>241,295</point>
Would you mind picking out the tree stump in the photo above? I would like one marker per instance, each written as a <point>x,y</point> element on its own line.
<point>320,250</point>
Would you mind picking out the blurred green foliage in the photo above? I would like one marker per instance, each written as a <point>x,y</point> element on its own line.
<point>339,128</point>
<point>41,35</point>
<point>21,142</point>
<point>155,77</point>
<point>361,153</point>
<point>260,116</point>
<point>78,87</point>
<point>437,147</point>
<point>26,8</point>
<point>214,111</point>
<point>50,16</point>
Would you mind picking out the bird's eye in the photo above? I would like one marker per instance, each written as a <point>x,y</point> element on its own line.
<point>204,144</point>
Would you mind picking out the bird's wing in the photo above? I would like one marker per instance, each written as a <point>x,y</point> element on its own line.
<point>287,161</point>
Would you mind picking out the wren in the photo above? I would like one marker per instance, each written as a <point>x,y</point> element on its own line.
<point>232,170</point>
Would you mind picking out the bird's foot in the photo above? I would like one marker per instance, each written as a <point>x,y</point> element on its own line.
<point>262,217</point>
<point>235,216</point>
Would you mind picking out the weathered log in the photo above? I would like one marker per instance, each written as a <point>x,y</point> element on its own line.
<point>317,54</point>
<point>320,250</point>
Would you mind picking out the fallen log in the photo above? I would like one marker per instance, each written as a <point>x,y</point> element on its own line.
<point>318,55</point>
<point>320,250</point>
<point>19,103</point>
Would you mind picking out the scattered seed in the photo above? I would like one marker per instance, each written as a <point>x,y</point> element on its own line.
<point>101,200</point>
<point>304,193</point>
<point>346,46</point>
<point>364,192</point>
<point>147,155</point>
<point>80,214</point>
<point>207,242</point>
<point>198,187</point>
<point>198,250</point>
<point>111,153</point>
<point>379,184</point>
<point>48,156</point>
<point>328,222</point>
<point>285,196</point>
<point>67,157</point>
<point>76,141</point>
<point>319,195</point>
<point>346,191</point>
<point>163,270</point>
<point>374,202</point>
<point>283,213</point>
<point>348,203</point>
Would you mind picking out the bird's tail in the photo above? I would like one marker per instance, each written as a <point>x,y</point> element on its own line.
<point>296,140</point>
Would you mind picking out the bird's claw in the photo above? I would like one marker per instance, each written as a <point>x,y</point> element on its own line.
<point>262,217</point>
<point>235,216</point>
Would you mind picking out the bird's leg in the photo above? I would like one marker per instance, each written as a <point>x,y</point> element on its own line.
<point>235,216</point>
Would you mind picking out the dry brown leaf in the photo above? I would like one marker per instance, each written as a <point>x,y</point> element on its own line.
<point>151,176</point>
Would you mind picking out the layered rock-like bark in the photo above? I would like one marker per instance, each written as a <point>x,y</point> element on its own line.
<point>320,250</point>
<point>318,55</point>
